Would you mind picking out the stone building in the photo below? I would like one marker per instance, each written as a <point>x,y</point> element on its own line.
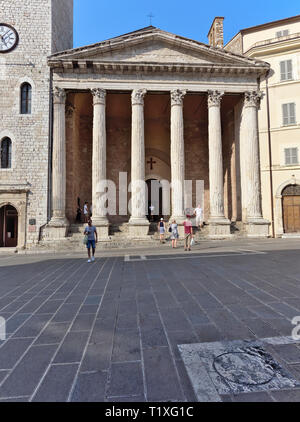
<point>149,105</point>
<point>30,31</point>
<point>278,43</point>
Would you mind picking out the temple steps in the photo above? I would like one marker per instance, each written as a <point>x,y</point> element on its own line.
<point>118,237</point>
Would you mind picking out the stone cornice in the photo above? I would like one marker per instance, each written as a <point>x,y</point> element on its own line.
<point>118,67</point>
<point>16,189</point>
<point>277,46</point>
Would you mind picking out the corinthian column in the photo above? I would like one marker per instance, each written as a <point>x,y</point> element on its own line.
<point>250,168</point>
<point>59,161</point>
<point>138,186</point>
<point>177,155</point>
<point>99,157</point>
<point>219,225</point>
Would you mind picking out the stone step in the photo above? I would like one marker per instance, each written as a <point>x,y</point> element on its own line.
<point>118,233</point>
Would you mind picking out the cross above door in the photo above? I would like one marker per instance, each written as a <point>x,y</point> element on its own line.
<point>151,162</point>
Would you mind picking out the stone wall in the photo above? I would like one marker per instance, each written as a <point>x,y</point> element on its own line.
<point>62,25</point>
<point>196,144</point>
<point>235,45</point>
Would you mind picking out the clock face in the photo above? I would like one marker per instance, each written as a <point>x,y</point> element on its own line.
<point>9,38</point>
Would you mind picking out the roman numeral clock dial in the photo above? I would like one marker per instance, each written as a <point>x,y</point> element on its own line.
<point>9,38</point>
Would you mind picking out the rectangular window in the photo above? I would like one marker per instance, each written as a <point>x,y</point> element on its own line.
<point>291,156</point>
<point>286,70</point>
<point>289,114</point>
<point>283,33</point>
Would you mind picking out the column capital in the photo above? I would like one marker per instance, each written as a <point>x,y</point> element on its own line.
<point>99,96</point>
<point>215,98</point>
<point>177,97</point>
<point>253,98</point>
<point>137,96</point>
<point>59,95</point>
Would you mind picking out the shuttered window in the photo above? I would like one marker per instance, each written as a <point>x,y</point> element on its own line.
<point>291,156</point>
<point>286,70</point>
<point>289,114</point>
<point>283,33</point>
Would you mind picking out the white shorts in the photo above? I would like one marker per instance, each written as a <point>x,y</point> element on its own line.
<point>199,221</point>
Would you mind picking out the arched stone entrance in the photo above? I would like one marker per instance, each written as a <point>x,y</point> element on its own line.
<point>279,207</point>
<point>291,209</point>
<point>8,227</point>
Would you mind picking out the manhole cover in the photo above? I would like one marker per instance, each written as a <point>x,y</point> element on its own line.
<point>244,368</point>
<point>235,367</point>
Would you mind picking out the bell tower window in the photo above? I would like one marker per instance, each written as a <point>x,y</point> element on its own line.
<point>26,97</point>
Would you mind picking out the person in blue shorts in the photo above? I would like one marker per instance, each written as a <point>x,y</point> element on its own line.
<point>91,233</point>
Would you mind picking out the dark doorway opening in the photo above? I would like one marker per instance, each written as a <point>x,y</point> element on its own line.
<point>155,200</point>
<point>8,227</point>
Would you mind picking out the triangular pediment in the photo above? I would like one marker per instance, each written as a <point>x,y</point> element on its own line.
<point>152,45</point>
<point>156,51</point>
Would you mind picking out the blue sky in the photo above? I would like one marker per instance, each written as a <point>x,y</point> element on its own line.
<point>98,20</point>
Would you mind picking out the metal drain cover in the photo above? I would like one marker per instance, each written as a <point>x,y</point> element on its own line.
<point>244,368</point>
<point>235,367</point>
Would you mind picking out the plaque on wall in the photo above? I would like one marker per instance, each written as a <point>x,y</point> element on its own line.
<point>32,222</point>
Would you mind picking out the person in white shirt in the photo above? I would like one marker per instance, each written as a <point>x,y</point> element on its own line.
<point>152,209</point>
<point>199,216</point>
<point>86,212</point>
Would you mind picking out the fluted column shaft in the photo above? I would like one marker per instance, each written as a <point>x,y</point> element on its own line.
<point>99,156</point>
<point>177,154</point>
<point>250,151</point>
<point>216,177</point>
<point>59,158</point>
<point>138,198</point>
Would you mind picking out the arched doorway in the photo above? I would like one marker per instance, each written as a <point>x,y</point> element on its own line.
<point>155,199</point>
<point>8,227</point>
<point>291,209</point>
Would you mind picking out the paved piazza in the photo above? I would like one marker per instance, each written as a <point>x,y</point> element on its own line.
<point>144,325</point>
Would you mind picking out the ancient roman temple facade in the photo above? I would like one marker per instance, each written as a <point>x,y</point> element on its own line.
<point>148,106</point>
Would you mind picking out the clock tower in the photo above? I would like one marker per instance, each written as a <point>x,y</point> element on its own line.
<point>30,31</point>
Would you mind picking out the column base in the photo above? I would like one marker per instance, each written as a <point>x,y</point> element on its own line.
<point>219,228</point>
<point>102,225</point>
<point>257,227</point>
<point>138,227</point>
<point>57,229</point>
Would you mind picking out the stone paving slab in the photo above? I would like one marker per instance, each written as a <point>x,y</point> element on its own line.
<point>110,331</point>
<point>55,386</point>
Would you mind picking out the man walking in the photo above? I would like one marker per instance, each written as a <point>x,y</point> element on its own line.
<point>91,232</point>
